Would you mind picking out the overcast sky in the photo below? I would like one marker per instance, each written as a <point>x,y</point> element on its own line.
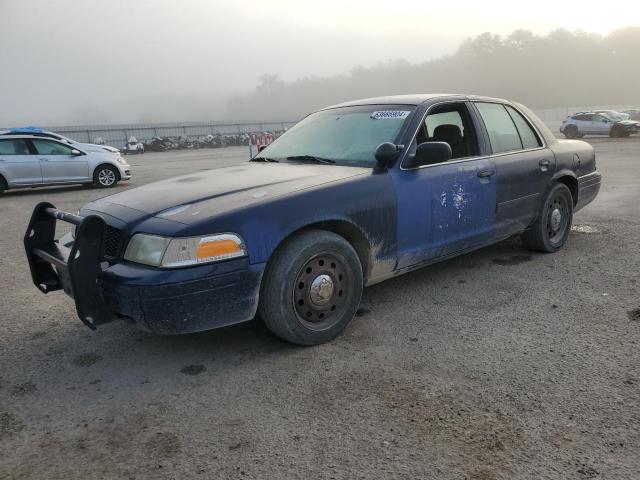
<point>75,61</point>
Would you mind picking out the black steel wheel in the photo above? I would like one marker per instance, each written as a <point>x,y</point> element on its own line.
<point>320,290</point>
<point>311,288</point>
<point>551,229</point>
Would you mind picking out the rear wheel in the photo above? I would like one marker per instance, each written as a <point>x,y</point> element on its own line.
<point>571,131</point>
<point>551,229</point>
<point>311,288</point>
<point>105,176</point>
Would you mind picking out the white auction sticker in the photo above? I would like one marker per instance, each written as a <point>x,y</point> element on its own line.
<point>390,114</point>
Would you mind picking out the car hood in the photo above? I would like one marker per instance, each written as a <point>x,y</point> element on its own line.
<point>93,148</point>
<point>190,198</point>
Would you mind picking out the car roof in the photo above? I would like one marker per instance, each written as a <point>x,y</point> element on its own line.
<point>412,99</point>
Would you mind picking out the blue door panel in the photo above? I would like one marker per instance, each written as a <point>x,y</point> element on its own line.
<point>443,209</point>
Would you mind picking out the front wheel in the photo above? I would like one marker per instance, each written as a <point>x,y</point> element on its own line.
<point>105,176</point>
<point>571,131</point>
<point>311,288</point>
<point>551,229</point>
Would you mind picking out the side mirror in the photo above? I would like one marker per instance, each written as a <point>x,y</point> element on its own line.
<point>76,152</point>
<point>429,153</point>
<point>386,154</point>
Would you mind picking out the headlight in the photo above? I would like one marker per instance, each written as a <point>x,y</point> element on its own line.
<point>181,252</point>
<point>121,160</point>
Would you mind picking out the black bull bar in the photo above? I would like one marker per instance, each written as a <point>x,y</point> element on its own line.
<point>76,270</point>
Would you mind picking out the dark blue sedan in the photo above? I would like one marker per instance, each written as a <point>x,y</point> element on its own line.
<point>352,195</point>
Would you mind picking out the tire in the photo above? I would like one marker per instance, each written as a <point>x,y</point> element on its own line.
<point>105,176</point>
<point>571,131</point>
<point>3,185</point>
<point>298,313</point>
<point>551,229</point>
<point>616,132</point>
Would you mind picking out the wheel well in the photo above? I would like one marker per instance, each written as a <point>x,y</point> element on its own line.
<point>572,185</point>
<point>3,182</point>
<point>346,230</point>
<point>117,170</point>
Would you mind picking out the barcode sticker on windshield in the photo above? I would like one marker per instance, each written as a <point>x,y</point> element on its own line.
<point>390,114</point>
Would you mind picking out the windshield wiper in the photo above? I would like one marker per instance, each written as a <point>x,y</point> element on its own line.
<point>264,159</point>
<point>311,158</point>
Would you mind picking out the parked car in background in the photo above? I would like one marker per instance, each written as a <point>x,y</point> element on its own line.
<point>634,114</point>
<point>350,196</point>
<point>39,132</point>
<point>593,123</point>
<point>133,146</point>
<point>34,158</point>
<point>613,114</point>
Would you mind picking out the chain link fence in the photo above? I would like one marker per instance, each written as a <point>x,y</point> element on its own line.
<point>117,135</point>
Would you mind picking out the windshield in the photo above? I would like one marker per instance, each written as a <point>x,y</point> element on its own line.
<point>346,135</point>
<point>615,116</point>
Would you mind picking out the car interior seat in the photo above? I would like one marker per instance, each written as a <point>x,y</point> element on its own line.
<point>453,136</point>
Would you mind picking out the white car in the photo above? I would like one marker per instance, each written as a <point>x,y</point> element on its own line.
<point>593,123</point>
<point>133,146</point>
<point>32,157</point>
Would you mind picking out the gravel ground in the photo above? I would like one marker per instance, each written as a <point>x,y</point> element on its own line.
<point>500,364</point>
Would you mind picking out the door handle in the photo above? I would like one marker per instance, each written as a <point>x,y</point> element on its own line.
<point>544,163</point>
<point>486,173</point>
<point>44,159</point>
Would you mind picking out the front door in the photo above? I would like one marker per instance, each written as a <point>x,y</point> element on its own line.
<point>17,164</point>
<point>449,207</point>
<point>59,165</point>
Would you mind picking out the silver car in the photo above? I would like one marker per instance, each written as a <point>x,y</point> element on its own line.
<point>32,158</point>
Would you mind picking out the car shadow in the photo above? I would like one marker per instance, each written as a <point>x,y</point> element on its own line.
<point>54,189</point>
<point>119,355</point>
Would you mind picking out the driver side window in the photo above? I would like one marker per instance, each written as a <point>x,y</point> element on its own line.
<point>48,147</point>
<point>450,123</point>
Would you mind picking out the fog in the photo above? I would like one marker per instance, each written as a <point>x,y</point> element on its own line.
<point>70,62</point>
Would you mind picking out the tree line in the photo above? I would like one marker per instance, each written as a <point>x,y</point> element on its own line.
<point>560,69</point>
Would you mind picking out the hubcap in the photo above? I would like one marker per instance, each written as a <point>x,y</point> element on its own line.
<point>320,290</point>
<point>557,218</point>
<point>106,177</point>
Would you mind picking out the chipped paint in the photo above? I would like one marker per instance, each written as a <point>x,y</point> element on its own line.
<point>459,198</point>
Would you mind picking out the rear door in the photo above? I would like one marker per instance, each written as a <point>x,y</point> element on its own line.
<point>58,163</point>
<point>17,164</point>
<point>524,165</point>
<point>448,207</point>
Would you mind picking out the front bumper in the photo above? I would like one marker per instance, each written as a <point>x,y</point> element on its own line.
<point>162,301</point>
<point>125,171</point>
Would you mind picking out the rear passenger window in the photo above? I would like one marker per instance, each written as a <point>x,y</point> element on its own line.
<point>13,147</point>
<point>502,131</point>
<point>527,135</point>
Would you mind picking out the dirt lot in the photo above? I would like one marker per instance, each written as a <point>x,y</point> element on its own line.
<point>501,364</point>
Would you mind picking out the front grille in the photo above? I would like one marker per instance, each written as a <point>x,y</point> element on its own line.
<point>111,242</point>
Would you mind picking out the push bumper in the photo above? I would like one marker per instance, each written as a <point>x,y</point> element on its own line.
<point>158,300</point>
